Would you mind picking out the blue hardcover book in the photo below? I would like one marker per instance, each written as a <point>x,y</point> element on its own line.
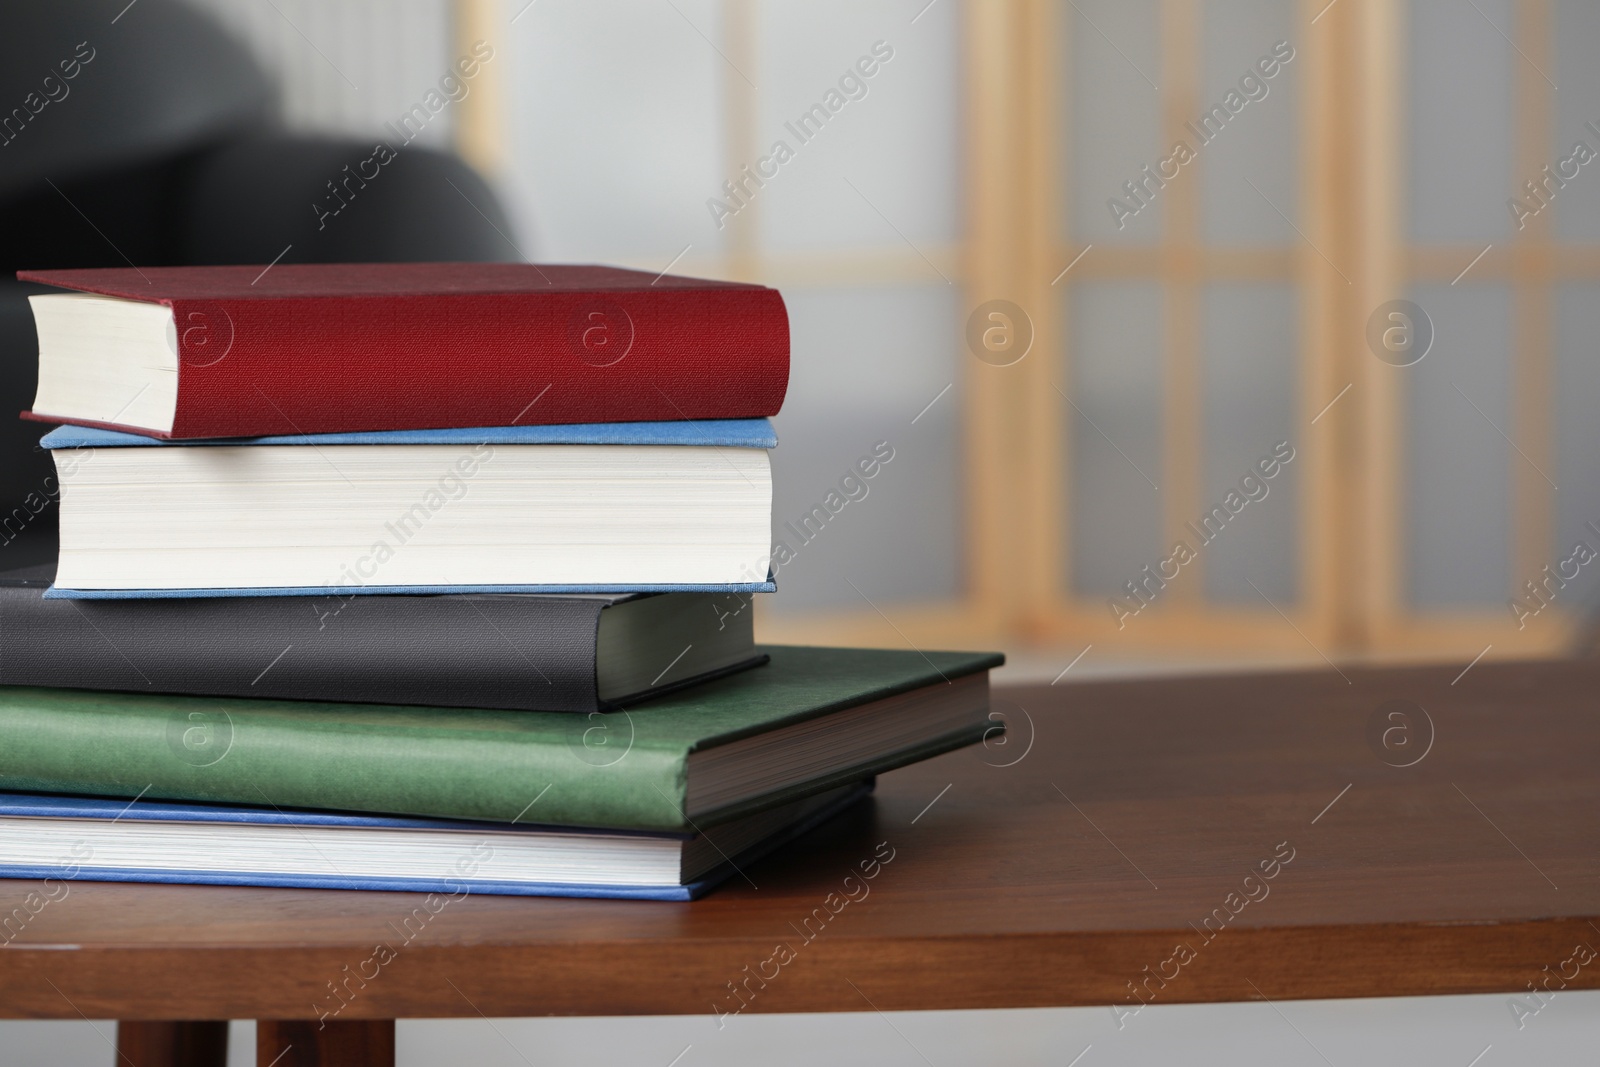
<point>602,508</point>
<point>66,838</point>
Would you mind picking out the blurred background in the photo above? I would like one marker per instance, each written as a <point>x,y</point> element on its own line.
<point>1173,316</point>
<point>1355,243</point>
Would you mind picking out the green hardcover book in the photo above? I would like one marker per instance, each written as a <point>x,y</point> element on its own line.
<point>811,719</point>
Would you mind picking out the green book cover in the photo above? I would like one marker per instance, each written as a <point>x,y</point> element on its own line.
<point>624,770</point>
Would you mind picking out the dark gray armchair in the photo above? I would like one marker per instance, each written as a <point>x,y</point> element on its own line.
<point>144,134</point>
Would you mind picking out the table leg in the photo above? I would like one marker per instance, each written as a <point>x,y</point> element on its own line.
<point>168,1044</point>
<point>294,1043</point>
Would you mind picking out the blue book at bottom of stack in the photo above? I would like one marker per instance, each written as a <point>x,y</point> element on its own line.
<point>67,838</point>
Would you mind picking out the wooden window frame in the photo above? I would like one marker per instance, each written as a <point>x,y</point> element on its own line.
<point>1352,602</point>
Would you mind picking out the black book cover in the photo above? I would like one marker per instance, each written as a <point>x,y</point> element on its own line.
<point>518,652</point>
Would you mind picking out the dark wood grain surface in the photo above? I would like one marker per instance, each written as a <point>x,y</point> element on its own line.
<point>1077,874</point>
<point>173,1044</point>
<point>302,1043</point>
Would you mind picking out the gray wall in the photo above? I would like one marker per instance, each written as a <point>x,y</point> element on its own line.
<point>1448,1031</point>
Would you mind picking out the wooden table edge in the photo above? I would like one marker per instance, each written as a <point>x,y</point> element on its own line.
<point>1126,968</point>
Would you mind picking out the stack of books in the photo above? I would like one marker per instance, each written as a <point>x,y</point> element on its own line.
<point>430,577</point>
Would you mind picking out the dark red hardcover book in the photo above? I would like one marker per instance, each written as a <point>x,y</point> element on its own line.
<point>330,348</point>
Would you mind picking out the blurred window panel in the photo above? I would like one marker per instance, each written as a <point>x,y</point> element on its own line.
<point>874,360</point>
<point>1457,487</point>
<point>1250,176</point>
<point>1113,122</point>
<point>1251,385</point>
<point>1184,135</point>
<point>1459,128</point>
<point>615,124</point>
<point>1501,223</point>
<point>892,145</point>
<point>1575,401</point>
<point>1113,405</point>
<point>1468,181</point>
<point>1577,204</point>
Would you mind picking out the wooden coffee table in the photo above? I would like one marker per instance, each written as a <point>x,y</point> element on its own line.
<point>1209,839</point>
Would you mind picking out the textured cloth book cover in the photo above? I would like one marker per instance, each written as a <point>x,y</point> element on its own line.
<point>624,770</point>
<point>314,348</point>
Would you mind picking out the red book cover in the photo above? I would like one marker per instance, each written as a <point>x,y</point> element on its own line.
<point>330,348</point>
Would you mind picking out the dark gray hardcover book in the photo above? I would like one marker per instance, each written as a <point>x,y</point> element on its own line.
<point>521,652</point>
